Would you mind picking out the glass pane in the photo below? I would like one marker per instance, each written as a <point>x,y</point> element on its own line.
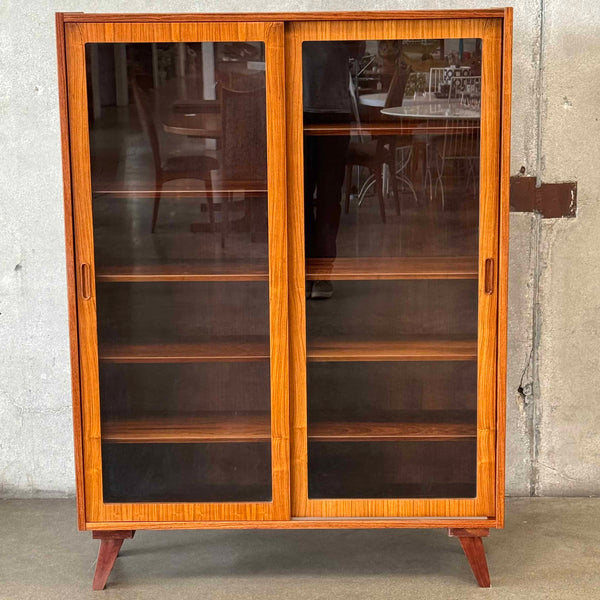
<point>391,203</point>
<point>179,194</point>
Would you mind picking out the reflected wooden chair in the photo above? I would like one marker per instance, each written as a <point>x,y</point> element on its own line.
<point>171,168</point>
<point>243,156</point>
<point>381,150</point>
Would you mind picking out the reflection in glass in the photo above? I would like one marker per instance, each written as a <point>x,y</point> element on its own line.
<point>391,204</point>
<point>179,199</point>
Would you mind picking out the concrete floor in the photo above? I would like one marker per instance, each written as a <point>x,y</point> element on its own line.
<point>549,549</point>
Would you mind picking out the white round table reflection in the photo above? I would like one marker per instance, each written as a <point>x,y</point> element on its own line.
<point>433,110</point>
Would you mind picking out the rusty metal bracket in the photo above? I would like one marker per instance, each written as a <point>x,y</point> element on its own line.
<point>551,200</point>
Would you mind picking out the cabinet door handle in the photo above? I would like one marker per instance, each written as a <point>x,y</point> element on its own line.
<point>86,281</point>
<point>489,275</point>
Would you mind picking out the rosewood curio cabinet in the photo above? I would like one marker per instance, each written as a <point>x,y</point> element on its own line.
<point>287,265</point>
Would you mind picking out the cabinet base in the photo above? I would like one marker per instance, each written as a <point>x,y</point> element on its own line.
<point>110,544</point>
<point>470,540</point>
<point>472,545</point>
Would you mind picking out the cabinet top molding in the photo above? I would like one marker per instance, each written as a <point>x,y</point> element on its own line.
<point>291,16</point>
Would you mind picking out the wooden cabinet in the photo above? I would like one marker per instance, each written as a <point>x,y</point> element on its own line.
<point>287,261</point>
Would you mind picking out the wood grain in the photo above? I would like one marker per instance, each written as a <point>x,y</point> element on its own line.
<point>489,30</point>
<point>346,269</point>
<point>110,544</point>
<point>209,270</point>
<point>209,351</point>
<point>280,16</point>
<point>70,258</point>
<point>376,431</point>
<point>489,204</point>
<point>495,28</point>
<point>304,523</point>
<point>77,35</point>
<point>339,269</point>
<point>208,428</point>
<point>472,545</point>
<point>475,553</point>
<point>215,427</point>
<point>345,350</point>
<point>107,555</point>
<point>503,262</point>
<point>116,534</point>
<point>467,532</point>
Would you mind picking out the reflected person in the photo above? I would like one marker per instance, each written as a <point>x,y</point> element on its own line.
<point>327,100</point>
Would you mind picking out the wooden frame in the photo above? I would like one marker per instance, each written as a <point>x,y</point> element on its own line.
<point>76,36</point>
<point>70,254</point>
<point>284,16</point>
<point>485,512</point>
<point>490,31</point>
<point>507,39</point>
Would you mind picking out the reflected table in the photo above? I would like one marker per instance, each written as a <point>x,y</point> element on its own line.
<point>457,119</point>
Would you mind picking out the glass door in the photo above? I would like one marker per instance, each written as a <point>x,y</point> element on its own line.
<point>393,399</point>
<point>177,149</point>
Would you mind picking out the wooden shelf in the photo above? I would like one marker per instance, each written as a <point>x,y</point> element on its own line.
<point>339,269</point>
<point>211,351</point>
<point>212,427</point>
<point>376,431</point>
<point>256,270</point>
<point>208,428</point>
<point>431,126</point>
<point>442,267</point>
<point>147,190</point>
<point>425,348</point>
<point>414,349</point>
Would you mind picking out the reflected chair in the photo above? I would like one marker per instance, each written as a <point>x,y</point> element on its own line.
<point>243,156</point>
<point>441,79</point>
<point>467,90</point>
<point>459,147</point>
<point>436,78</point>
<point>376,153</point>
<point>174,167</point>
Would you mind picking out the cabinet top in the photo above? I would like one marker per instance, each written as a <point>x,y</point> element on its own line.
<point>283,16</point>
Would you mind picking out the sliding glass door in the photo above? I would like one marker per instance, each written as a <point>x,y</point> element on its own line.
<point>181,269</point>
<point>394,400</point>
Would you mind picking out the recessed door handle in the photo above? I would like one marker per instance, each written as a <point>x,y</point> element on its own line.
<point>489,275</point>
<point>86,281</point>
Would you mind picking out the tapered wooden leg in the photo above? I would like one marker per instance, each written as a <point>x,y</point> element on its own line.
<point>472,545</point>
<point>110,544</point>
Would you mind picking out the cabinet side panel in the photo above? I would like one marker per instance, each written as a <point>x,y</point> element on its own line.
<point>503,262</point>
<point>84,254</point>
<point>488,248</point>
<point>70,264</point>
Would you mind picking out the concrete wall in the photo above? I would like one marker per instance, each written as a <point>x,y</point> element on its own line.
<point>554,351</point>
